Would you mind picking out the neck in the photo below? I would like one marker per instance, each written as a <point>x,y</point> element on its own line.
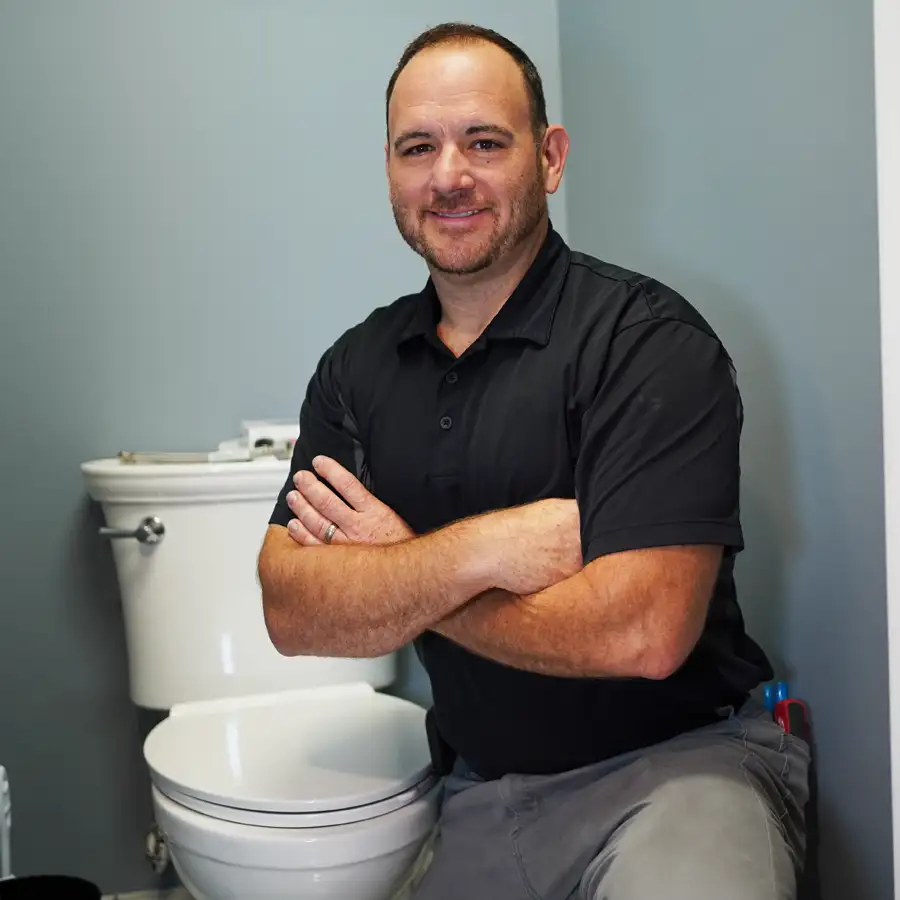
<point>470,302</point>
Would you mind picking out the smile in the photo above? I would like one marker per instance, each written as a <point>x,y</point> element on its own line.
<point>456,215</point>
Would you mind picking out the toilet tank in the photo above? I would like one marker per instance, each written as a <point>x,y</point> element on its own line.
<point>191,601</point>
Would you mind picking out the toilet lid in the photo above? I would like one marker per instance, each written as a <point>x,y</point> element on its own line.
<point>310,751</point>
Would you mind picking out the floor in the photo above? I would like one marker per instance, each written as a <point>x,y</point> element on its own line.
<point>175,894</point>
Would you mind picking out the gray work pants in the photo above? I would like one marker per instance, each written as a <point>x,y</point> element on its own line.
<point>713,814</point>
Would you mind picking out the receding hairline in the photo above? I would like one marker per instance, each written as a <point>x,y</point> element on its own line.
<point>534,98</point>
<point>463,41</point>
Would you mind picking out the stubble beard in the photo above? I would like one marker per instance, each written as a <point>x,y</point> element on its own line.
<point>526,213</point>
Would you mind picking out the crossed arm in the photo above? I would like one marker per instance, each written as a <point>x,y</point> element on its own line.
<point>509,585</point>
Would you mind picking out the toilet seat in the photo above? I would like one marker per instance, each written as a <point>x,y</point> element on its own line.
<point>308,758</point>
<point>304,819</point>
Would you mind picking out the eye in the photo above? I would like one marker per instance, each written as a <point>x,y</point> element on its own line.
<point>417,150</point>
<point>487,144</point>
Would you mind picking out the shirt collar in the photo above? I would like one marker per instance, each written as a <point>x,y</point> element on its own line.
<point>527,314</point>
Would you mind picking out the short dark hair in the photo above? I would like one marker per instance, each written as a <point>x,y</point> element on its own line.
<point>463,33</point>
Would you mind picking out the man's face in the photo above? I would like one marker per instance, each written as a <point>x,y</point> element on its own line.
<point>465,175</point>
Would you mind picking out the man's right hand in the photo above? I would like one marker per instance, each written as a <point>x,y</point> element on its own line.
<point>366,520</point>
<point>529,548</point>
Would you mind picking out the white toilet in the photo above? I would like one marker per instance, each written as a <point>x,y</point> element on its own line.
<point>272,777</point>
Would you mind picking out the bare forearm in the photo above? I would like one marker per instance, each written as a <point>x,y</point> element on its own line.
<point>352,600</point>
<point>600,622</point>
<point>549,632</point>
<point>364,601</point>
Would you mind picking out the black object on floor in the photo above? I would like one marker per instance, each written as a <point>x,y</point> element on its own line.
<point>48,887</point>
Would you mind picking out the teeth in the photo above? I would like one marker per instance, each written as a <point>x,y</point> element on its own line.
<point>461,215</point>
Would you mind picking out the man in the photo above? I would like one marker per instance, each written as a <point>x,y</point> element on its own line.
<point>531,469</point>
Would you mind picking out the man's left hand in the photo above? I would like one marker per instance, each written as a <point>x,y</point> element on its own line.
<point>366,520</point>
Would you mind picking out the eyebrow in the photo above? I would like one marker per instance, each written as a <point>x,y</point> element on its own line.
<point>484,128</point>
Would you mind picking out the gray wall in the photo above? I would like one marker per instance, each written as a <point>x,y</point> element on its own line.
<point>192,207</point>
<point>728,148</point>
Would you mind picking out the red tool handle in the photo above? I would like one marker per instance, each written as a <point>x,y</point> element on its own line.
<point>792,716</point>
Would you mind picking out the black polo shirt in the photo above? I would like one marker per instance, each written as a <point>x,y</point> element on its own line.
<point>594,383</point>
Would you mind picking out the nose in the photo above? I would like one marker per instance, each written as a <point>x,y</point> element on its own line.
<point>450,173</point>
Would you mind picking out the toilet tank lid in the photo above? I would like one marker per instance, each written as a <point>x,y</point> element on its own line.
<point>311,750</point>
<point>114,480</point>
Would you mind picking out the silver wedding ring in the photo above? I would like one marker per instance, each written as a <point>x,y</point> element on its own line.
<point>329,532</point>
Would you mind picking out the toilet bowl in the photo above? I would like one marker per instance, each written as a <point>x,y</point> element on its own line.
<point>271,776</point>
<point>216,860</point>
<point>320,793</point>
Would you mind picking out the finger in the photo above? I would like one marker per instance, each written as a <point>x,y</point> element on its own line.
<point>338,538</point>
<point>311,519</point>
<point>300,534</point>
<point>325,501</point>
<point>351,488</point>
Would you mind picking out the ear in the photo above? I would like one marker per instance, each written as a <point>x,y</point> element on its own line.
<point>554,152</point>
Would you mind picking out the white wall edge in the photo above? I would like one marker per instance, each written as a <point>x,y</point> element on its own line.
<point>887,109</point>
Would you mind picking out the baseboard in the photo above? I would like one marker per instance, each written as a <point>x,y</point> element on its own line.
<point>173,894</point>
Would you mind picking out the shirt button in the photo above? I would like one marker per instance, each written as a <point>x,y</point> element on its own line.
<point>452,377</point>
<point>446,423</point>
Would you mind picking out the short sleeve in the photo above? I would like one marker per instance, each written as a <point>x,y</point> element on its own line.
<point>327,426</point>
<point>658,456</point>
